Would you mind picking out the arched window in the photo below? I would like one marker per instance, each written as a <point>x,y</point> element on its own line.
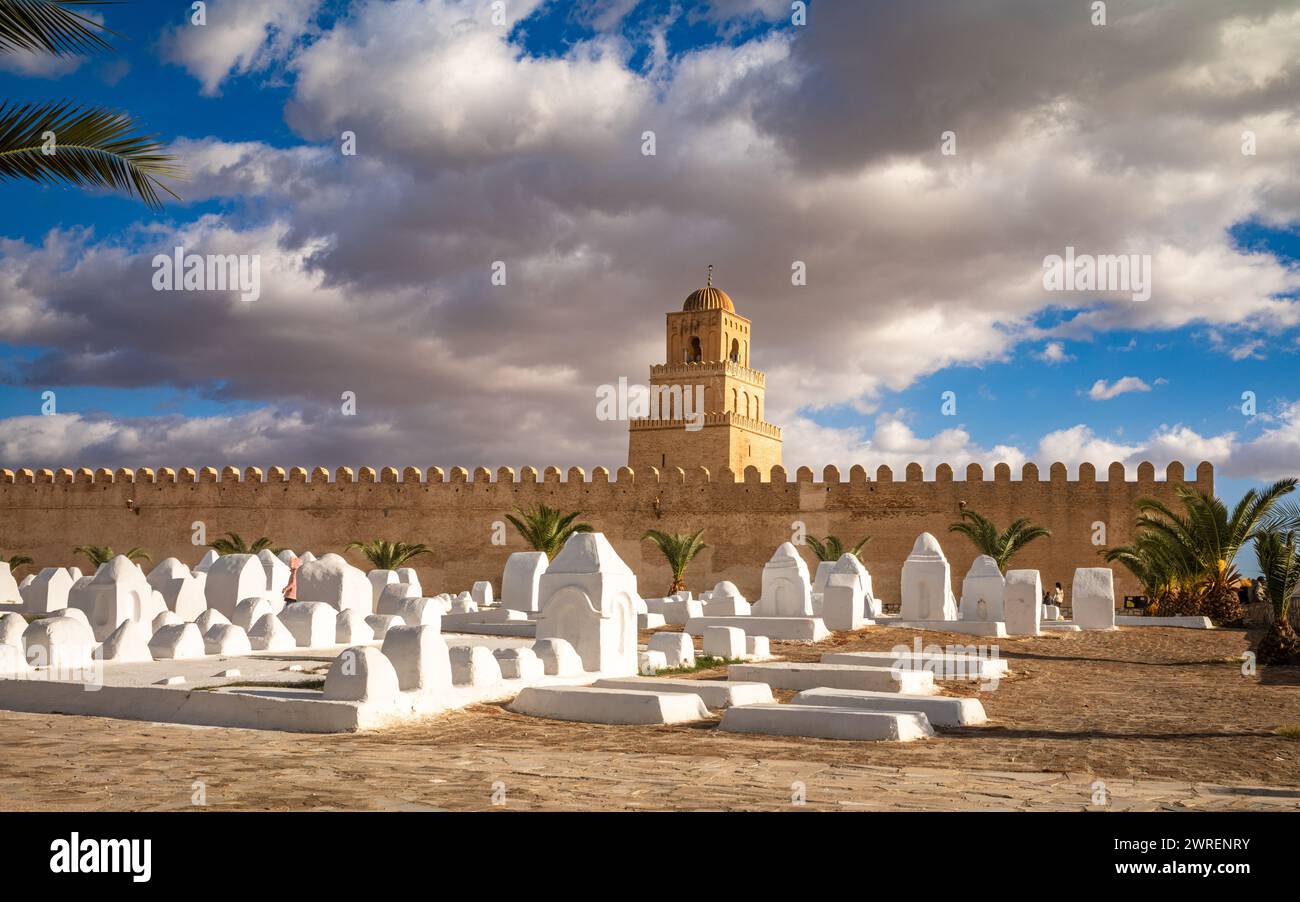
<point>745,397</point>
<point>696,354</point>
<point>735,351</point>
<point>735,400</point>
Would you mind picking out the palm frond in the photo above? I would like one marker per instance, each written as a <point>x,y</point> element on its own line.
<point>49,26</point>
<point>93,147</point>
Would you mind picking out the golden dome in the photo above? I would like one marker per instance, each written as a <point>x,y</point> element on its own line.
<point>709,298</point>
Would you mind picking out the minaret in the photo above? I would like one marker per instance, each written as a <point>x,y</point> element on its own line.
<point>707,346</point>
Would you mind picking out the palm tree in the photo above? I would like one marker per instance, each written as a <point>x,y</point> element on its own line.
<point>1164,571</point>
<point>16,562</point>
<point>92,146</point>
<point>831,548</point>
<point>1001,546</point>
<point>389,555</point>
<point>546,529</point>
<point>233,543</point>
<point>1278,553</point>
<point>1206,537</point>
<point>102,554</point>
<point>679,549</point>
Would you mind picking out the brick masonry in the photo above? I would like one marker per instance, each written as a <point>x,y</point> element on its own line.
<point>45,513</point>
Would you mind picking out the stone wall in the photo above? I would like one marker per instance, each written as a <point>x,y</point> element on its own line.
<point>46,513</point>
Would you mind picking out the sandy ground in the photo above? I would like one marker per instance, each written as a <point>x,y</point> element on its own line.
<point>1136,719</point>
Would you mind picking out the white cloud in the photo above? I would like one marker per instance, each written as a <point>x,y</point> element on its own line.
<point>769,151</point>
<point>1101,391</point>
<point>240,36</point>
<point>1054,352</point>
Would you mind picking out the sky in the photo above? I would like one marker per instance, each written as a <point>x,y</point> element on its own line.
<point>920,161</point>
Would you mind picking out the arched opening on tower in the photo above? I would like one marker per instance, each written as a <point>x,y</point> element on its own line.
<point>696,353</point>
<point>735,351</point>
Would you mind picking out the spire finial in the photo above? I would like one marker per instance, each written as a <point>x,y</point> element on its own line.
<point>709,284</point>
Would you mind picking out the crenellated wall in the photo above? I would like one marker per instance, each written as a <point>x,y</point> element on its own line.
<point>45,513</point>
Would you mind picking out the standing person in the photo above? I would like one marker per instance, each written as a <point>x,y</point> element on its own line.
<point>1058,596</point>
<point>291,590</point>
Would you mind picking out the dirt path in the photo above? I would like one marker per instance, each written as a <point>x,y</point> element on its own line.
<point>1162,717</point>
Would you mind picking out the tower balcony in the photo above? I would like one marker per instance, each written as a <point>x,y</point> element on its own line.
<point>725,418</point>
<point>710,368</point>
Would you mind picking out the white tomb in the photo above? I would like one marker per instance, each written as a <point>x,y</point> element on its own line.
<point>474,665</point>
<point>232,578</point>
<point>166,618</point>
<point>520,664</point>
<point>350,628</point>
<point>844,601</point>
<point>726,601</point>
<point>9,593</point>
<point>361,674</point>
<point>822,574</point>
<point>12,626</point>
<point>927,583</point>
<point>269,634</point>
<point>129,643</point>
<point>380,624</point>
<point>177,642</point>
<point>312,623</point>
<point>379,581</point>
<point>251,610</point>
<point>226,639</point>
<point>724,642</point>
<point>277,572</point>
<point>787,591</point>
<point>118,591</point>
<point>420,612</point>
<point>47,592</point>
<point>481,592</point>
<point>678,649</point>
<point>63,643</point>
<point>982,590</point>
<point>391,596</point>
<point>587,599</point>
<point>408,576</point>
<point>335,582</point>
<point>1022,603</point>
<point>205,562</point>
<point>558,657</point>
<point>420,657</point>
<point>181,590</point>
<point>521,581</point>
<point>208,619</point>
<point>1092,598</point>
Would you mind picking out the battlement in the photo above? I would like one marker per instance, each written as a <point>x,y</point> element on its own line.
<point>710,368</point>
<point>830,475</point>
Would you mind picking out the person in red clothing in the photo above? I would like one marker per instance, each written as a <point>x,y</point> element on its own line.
<point>291,590</point>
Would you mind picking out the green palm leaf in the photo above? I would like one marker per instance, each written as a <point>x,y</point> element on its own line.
<point>546,529</point>
<point>679,549</point>
<point>385,555</point>
<point>49,26</point>
<point>1001,546</point>
<point>93,148</point>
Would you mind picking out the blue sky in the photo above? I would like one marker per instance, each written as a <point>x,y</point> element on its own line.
<point>717,81</point>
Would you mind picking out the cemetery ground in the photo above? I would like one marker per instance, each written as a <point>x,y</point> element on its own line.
<point>1158,718</point>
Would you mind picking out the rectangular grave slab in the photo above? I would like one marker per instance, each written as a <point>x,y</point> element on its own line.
<point>827,723</point>
<point>715,693</point>
<point>787,675</point>
<point>790,629</point>
<point>940,710</point>
<point>590,704</point>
